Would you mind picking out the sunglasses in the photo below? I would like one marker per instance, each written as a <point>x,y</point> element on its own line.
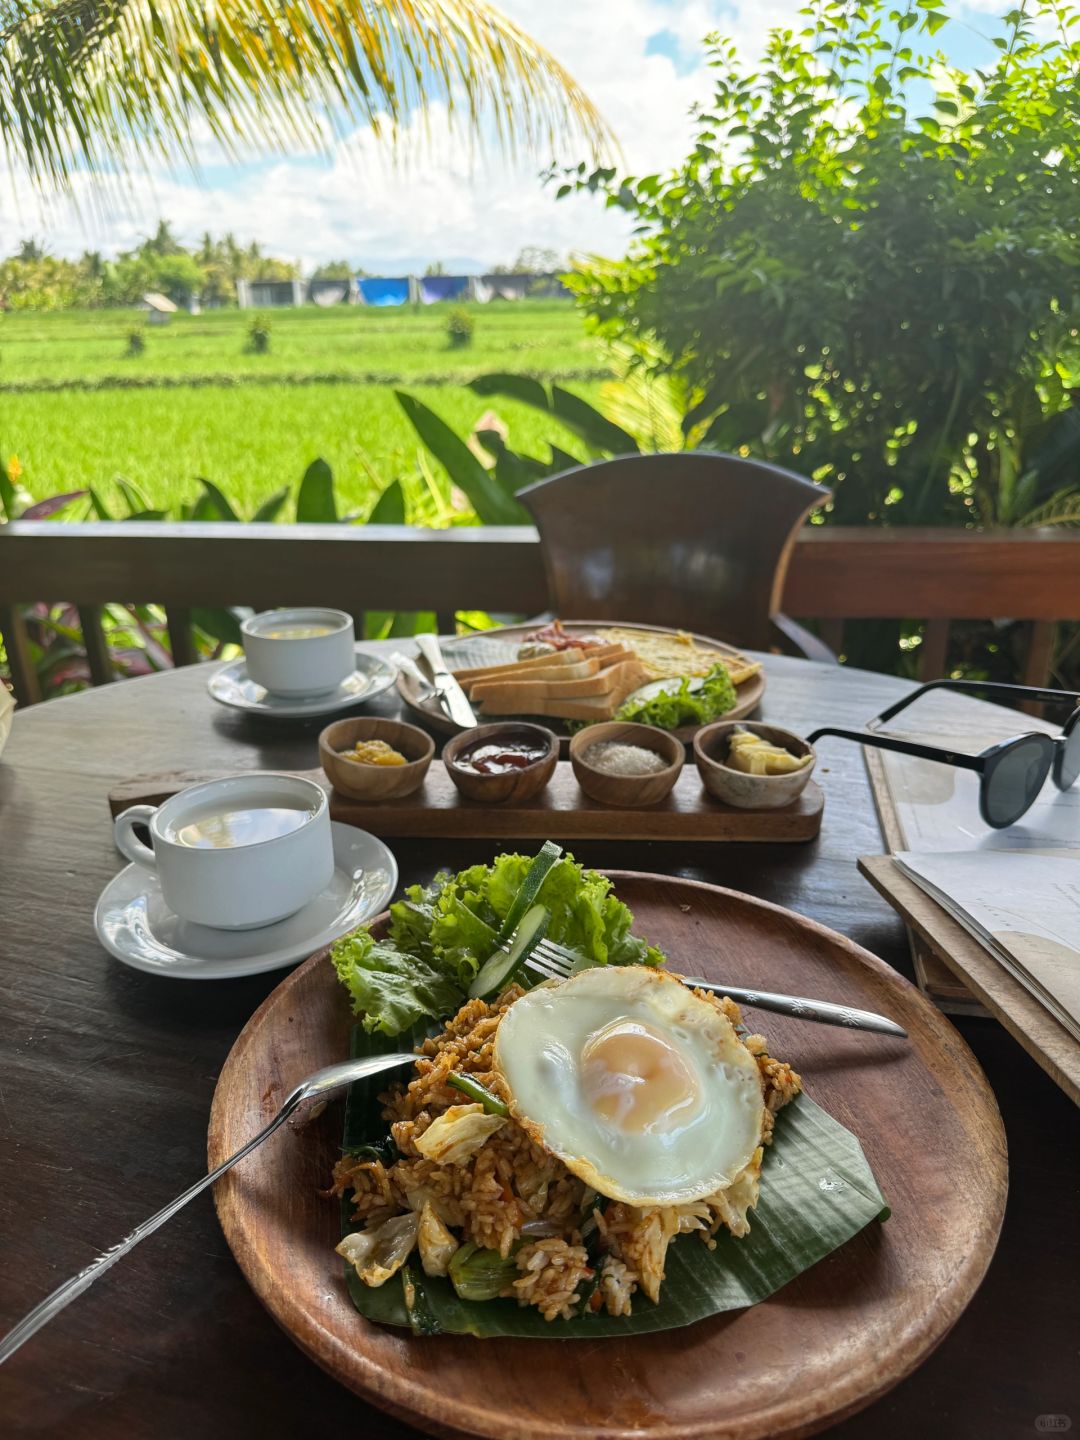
<point>1012,772</point>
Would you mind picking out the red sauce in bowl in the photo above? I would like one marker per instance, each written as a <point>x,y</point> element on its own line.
<point>495,757</point>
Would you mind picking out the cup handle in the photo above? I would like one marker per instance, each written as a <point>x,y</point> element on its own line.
<point>127,842</point>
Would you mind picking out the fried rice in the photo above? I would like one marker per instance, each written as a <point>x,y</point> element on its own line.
<point>493,1186</point>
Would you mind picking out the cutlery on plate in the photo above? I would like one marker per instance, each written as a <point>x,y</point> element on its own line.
<point>555,963</point>
<point>409,666</point>
<point>319,1084</point>
<point>451,696</point>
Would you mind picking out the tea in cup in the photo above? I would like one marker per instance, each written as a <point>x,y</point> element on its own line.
<point>307,651</point>
<point>236,853</point>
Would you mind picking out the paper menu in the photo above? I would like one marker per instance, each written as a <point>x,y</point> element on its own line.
<point>1024,908</point>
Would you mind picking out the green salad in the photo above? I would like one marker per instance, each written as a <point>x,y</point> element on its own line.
<point>441,934</point>
<point>714,697</point>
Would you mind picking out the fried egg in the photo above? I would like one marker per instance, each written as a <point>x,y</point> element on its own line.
<point>637,1085</point>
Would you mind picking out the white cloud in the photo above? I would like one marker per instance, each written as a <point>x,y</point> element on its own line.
<point>442,201</point>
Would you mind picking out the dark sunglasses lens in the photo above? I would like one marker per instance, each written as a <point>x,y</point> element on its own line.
<point>1070,758</point>
<point>1016,779</point>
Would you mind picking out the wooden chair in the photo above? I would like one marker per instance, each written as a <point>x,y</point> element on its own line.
<point>697,541</point>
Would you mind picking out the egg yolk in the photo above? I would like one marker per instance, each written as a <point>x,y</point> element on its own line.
<point>635,1078</point>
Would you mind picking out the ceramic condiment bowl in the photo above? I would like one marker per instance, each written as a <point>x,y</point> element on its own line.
<point>736,787</point>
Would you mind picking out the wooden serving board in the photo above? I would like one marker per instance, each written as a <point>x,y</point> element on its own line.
<point>823,1347</point>
<point>560,812</point>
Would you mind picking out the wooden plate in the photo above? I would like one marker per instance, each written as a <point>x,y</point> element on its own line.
<point>480,650</point>
<point>827,1344</point>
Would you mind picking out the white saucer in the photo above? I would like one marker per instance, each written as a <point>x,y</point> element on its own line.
<point>231,685</point>
<point>134,924</point>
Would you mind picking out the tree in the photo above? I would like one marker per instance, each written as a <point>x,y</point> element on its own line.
<point>882,293</point>
<point>97,84</point>
<point>335,270</point>
<point>30,250</point>
<point>532,260</point>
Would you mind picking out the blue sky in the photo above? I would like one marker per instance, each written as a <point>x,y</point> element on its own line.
<point>641,61</point>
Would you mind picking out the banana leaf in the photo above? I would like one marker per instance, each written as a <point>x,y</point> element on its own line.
<point>817,1191</point>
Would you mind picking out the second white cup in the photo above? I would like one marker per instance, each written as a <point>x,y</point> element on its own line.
<point>306,651</point>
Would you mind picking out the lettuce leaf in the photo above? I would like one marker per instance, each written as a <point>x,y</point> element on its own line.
<point>714,697</point>
<point>391,990</point>
<point>440,934</point>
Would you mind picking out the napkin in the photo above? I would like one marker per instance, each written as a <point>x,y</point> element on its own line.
<point>7,712</point>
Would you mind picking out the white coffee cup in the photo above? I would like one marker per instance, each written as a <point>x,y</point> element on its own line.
<point>236,853</point>
<point>306,651</point>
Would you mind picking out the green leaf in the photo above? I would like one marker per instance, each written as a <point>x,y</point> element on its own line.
<point>817,1191</point>
<point>219,623</point>
<point>315,501</point>
<point>133,496</point>
<point>218,500</point>
<point>480,487</point>
<point>101,510</point>
<point>389,508</point>
<point>587,422</point>
<point>7,494</point>
<point>271,507</point>
<point>514,387</point>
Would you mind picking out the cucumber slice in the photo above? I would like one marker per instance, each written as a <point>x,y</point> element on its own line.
<point>499,969</point>
<point>535,876</point>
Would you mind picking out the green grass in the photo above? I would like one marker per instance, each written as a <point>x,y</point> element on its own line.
<point>253,422</point>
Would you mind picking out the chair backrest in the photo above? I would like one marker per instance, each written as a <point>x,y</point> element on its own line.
<point>697,541</point>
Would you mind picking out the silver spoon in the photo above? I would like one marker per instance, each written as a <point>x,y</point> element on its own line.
<point>321,1083</point>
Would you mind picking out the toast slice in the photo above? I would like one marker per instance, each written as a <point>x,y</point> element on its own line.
<point>552,674</point>
<point>621,680</point>
<point>558,659</point>
<point>520,695</point>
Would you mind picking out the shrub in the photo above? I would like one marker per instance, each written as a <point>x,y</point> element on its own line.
<point>460,326</point>
<point>136,342</point>
<point>259,335</point>
<point>872,290</point>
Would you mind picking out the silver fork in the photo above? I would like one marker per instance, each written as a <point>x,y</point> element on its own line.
<point>321,1083</point>
<point>555,963</point>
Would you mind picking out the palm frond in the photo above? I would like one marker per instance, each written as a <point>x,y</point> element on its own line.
<point>1063,508</point>
<point>97,84</point>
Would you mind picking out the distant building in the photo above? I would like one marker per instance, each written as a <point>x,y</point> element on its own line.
<point>332,292</point>
<point>159,308</point>
<point>268,294</point>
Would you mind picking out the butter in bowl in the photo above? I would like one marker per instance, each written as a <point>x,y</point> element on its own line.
<point>751,765</point>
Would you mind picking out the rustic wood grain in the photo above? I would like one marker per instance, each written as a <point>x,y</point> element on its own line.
<point>560,812</point>
<point>1044,1038</point>
<point>882,1302</point>
<point>107,1075</point>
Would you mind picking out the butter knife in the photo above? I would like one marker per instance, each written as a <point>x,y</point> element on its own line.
<point>451,696</point>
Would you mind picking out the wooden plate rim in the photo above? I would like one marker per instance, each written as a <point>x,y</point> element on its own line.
<point>790,1416</point>
<point>749,693</point>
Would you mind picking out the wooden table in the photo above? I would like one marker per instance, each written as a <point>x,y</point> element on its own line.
<point>106,1076</point>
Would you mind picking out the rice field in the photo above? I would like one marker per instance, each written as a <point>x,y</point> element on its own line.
<point>76,409</point>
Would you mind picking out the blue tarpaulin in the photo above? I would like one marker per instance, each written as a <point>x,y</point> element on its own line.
<point>385,292</point>
<point>443,287</point>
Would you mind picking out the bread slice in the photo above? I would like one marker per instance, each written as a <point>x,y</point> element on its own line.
<point>523,699</point>
<point>558,659</point>
<point>520,695</point>
<point>550,674</point>
<point>609,651</point>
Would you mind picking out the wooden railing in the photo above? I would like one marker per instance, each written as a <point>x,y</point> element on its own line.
<point>836,574</point>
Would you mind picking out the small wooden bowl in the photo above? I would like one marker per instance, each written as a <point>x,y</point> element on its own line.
<point>627,790</point>
<point>517,785</point>
<point>735,787</point>
<point>375,782</point>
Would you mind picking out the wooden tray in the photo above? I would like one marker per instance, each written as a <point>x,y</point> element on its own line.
<point>823,1347</point>
<point>560,812</point>
<point>470,650</point>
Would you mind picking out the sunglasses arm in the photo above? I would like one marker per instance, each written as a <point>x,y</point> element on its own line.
<point>987,687</point>
<point>901,747</point>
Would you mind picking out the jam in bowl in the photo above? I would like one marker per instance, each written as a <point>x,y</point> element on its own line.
<point>509,760</point>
